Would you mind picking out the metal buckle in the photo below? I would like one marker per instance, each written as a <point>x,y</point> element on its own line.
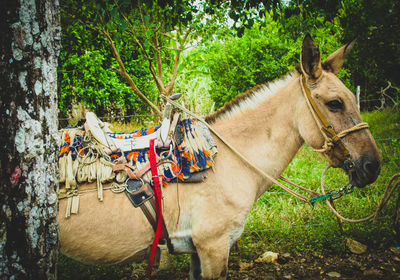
<point>127,189</point>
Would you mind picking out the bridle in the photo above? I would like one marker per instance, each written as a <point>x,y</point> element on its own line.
<point>332,139</point>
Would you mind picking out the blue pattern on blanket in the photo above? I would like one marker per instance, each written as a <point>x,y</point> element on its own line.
<point>192,154</point>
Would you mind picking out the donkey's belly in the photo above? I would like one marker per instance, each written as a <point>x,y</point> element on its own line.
<point>107,232</point>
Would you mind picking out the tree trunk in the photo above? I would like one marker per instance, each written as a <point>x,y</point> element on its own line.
<point>29,47</point>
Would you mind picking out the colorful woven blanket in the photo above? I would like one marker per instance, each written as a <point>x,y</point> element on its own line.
<point>82,160</point>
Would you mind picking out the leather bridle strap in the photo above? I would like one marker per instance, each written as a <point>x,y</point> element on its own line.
<point>332,138</point>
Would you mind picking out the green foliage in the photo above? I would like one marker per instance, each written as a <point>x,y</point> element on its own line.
<point>375,58</point>
<point>87,70</point>
<point>386,124</point>
<point>227,65</point>
<point>86,80</point>
<point>194,82</point>
<point>238,64</point>
<point>262,54</point>
<point>377,54</point>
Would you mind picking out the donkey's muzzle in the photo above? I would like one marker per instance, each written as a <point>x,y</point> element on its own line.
<point>365,171</point>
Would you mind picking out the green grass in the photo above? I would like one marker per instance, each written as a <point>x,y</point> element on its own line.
<point>278,222</point>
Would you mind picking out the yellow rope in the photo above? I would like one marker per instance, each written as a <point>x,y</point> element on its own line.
<point>328,142</point>
<point>114,187</point>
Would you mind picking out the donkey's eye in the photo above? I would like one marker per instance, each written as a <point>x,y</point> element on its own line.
<point>334,105</point>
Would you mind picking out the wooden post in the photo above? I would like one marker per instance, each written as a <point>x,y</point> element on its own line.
<point>358,97</point>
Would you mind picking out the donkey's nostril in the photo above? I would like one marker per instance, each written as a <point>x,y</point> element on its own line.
<point>369,167</point>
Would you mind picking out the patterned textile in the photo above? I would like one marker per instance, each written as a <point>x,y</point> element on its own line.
<point>193,151</point>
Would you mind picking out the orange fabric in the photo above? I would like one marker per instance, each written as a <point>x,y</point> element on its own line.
<point>133,156</point>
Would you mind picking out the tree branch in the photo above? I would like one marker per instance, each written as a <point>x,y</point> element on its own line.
<point>171,84</point>
<point>125,75</point>
<point>159,82</point>
<point>158,54</point>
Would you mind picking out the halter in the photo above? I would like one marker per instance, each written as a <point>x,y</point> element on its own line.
<point>332,138</point>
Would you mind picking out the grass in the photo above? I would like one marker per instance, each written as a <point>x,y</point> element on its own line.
<point>278,222</point>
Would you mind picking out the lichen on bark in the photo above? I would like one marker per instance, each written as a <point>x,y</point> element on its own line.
<point>30,32</point>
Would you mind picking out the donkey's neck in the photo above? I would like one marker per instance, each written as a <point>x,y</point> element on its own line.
<point>265,133</point>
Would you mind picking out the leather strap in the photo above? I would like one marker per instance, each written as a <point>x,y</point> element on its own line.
<point>130,170</point>
<point>157,197</point>
<point>149,210</point>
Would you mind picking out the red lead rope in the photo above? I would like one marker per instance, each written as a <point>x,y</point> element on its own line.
<point>157,197</point>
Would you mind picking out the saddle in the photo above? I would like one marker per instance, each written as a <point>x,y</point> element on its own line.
<point>93,153</point>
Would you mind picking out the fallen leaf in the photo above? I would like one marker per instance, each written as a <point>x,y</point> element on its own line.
<point>268,257</point>
<point>356,247</point>
<point>334,274</point>
<point>286,255</point>
<point>244,266</point>
<point>395,250</point>
<point>373,273</point>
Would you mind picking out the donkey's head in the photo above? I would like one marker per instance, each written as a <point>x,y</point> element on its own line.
<point>337,129</point>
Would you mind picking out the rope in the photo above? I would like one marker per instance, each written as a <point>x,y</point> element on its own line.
<point>329,143</point>
<point>333,138</point>
<point>262,173</point>
<point>325,196</point>
<point>115,188</point>
<point>385,198</point>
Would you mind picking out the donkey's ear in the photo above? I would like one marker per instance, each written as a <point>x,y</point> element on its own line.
<point>310,58</point>
<point>335,61</point>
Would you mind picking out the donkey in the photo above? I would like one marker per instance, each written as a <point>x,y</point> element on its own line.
<point>268,124</point>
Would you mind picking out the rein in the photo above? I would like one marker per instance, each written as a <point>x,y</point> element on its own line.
<point>331,140</point>
<point>262,173</point>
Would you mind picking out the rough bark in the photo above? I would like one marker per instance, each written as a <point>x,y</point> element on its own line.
<point>29,47</point>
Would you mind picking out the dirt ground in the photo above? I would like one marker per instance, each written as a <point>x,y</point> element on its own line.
<point>376,264</point>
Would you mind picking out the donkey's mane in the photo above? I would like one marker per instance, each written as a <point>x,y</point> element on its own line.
<point>250,98</point>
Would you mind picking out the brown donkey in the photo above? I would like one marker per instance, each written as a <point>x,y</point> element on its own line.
<point>268,124</point>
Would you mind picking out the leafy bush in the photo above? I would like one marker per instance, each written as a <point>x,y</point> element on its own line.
<point>263,54</point>
<point>238,64</point>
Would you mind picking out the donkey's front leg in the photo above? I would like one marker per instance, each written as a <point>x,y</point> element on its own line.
<point>213,258</point>
<point>195,267</point>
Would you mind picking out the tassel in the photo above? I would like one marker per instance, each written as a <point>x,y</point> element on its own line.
<point>99,184</point>
<point>61,168</point>
<point>121,177</point>
<point>107,173</point>
<point>75,204</point>
<point>92,172</point>
<point>68,210</point>
<point>69,172</point>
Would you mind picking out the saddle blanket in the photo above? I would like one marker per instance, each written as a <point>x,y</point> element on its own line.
<point>82,159</point>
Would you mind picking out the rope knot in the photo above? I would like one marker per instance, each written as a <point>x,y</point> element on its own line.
<point>326,147</point>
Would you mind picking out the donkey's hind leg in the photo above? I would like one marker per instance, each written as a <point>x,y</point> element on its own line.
<point>195,267</point>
